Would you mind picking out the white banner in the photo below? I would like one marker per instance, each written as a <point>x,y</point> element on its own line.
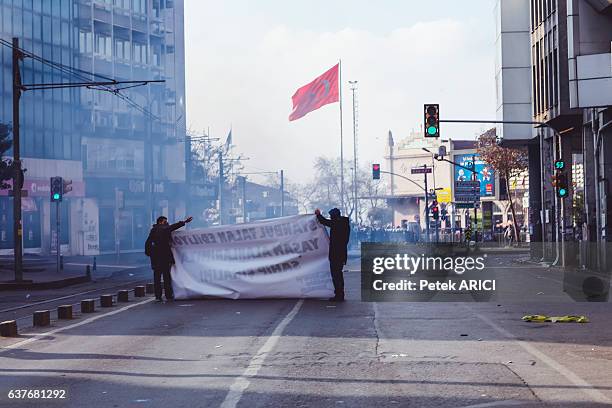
<point>277,258</point>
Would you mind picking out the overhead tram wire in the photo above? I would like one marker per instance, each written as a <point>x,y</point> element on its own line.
<point>80,74</point>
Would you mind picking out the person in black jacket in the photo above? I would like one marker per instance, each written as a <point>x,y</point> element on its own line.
<point>339,232</point>
<point>158,249</point>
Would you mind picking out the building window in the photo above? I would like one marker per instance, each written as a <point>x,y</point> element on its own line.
<point>140,6</point>
<point>103,45</point>
<point>155,56</point>
<point>85,42</point>
<point>124,4</point>
<point>122,49</point>
<point>140,53</point>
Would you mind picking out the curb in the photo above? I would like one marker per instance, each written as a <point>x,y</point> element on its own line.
<point>57,284</point>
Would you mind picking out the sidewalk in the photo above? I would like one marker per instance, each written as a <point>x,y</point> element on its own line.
<point>40,272</point>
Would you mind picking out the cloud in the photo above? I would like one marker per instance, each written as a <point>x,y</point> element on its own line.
<point>248,84</point>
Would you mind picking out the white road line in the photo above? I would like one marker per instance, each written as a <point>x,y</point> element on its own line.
<point>108,266</point>
<point>552,363</point>
<point>505,403</point>
<point>38,336</point>
<point>242,383</point>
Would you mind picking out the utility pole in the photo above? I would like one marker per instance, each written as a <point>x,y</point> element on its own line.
<point>244,206</point>
<point>282,192</point>
<point>148,153</point>
<point>475,178</point>
<point>58,241</point>
<point>355,167</point>
<point>17,227</point>
<point>426,203</point>
<point>221,209</point>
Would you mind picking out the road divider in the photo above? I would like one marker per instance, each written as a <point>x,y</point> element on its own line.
<point>106,300</point>
<point>123,295</point>
<point>139,291</point>
<point>88,306</point>
<point>41,318</point>
<point>8,328</point>
<point>64,312</point>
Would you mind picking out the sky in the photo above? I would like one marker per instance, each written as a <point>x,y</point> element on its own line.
<point>245,59</point>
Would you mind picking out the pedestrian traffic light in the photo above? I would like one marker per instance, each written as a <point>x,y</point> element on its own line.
<point>57,189</point>
<point>376,171</point>
<point>66,186</point>
<point>432,120</point>
<point>560,165</point>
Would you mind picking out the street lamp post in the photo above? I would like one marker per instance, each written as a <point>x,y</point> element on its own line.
<point>355,168</point>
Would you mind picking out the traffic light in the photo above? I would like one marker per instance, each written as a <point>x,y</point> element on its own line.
<point>432,120</point>
<point>559,179</point>
<point>435,211</point>
<point>562,187</point>
<point>67,186</point>
<point>376,171</point>
<point>57,189</point>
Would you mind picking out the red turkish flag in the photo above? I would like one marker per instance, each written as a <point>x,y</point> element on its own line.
<point>320,92</point>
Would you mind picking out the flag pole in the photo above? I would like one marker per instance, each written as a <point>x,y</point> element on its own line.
<point>341,142</point>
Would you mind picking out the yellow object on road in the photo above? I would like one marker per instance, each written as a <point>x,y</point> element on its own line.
<point>556,319</point>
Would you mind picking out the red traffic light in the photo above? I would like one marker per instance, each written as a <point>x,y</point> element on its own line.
<point>376,171</point>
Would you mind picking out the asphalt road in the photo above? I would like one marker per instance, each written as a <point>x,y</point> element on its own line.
<point>292,353</point>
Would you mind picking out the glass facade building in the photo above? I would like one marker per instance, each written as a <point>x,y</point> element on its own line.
<point>125,154</point>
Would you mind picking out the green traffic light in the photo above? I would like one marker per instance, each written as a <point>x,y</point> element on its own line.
<point>562,192</point>
<point>431,130</point>
<point>56,196</point>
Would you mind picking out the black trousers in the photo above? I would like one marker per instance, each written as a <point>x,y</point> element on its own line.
<point>337,277</point>
<point>158,271</point>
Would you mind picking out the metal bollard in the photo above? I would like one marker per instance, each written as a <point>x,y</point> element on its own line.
<point>139,291</point>
<point>88,306</point>
<point>8,328</point>
<point>95,266</point>
<point>41,318</point>
<point>88,272</point>
<point>106,300</point>
<point>150,288</point>
<point>123,296</point>
<point>64,312</point>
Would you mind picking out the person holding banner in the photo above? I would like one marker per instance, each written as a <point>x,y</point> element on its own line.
<point>158,249</point>
<point>339,233</point>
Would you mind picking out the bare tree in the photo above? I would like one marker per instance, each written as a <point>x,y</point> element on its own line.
<point>324,190</point>
<point>508,162</point>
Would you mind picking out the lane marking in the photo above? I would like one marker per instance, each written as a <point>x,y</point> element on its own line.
<point>38,336</point>
<point>242,383</point>
<point>584,386</point>
<point>505,403</point>
<point>108,266</point>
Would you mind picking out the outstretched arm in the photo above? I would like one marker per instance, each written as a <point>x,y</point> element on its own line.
<point>180,224</point>
<point>322,219</point>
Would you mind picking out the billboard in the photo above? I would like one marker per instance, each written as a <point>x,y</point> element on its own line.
<point>484,173</point>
